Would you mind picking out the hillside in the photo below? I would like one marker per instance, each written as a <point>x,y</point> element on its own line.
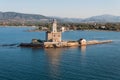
<point>13,16</point>
<point>103,18</point>
<point>22,17</point>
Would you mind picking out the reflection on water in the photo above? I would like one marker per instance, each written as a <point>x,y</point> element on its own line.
<point>53,57</point>
<point>83,49</point>
<point>83,54</point>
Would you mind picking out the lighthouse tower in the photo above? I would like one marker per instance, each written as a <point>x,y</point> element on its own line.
<point>54,27</point>
<point>53,35</point>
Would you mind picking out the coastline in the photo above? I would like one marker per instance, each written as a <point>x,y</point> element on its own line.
<point>102,30</point>
<point>17,26</point>
<point>37,30</point>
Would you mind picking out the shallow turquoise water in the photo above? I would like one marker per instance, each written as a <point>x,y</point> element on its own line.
<point>94,62</point>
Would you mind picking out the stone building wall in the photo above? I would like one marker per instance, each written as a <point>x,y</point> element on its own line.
<point>54,36</point>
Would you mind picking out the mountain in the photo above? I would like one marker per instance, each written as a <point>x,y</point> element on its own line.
<point>73,20</point>
<point>13,16</point>
<point>20,17</point>
<point>103,18</point>
<point>100,19</point>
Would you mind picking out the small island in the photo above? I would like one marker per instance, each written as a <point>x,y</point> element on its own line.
<point>54,40</point>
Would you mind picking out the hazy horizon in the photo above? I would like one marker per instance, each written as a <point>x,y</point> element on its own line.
<point>63,8</point>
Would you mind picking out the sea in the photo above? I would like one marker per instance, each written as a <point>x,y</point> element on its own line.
<point>92,62</point>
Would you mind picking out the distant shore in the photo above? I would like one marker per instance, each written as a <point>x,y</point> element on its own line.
<point>34,30</point>
<point>19,26</point>
<point>102,30</point>
<point>38,30</point>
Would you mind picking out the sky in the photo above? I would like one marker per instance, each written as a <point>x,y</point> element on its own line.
<point>62,8</point>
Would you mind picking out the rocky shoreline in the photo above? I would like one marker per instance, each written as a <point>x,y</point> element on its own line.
<point>64,44</point>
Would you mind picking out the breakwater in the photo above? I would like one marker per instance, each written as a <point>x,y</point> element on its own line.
<point>64,44</point>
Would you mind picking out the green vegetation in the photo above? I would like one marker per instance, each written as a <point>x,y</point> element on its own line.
<point>92,26</point>
<point>68,26</point>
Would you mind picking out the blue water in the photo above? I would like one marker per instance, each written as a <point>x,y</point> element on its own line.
<point>94,62</point>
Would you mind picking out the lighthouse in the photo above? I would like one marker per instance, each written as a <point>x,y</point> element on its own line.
<point>53,35</point>
<point>54,26</point>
